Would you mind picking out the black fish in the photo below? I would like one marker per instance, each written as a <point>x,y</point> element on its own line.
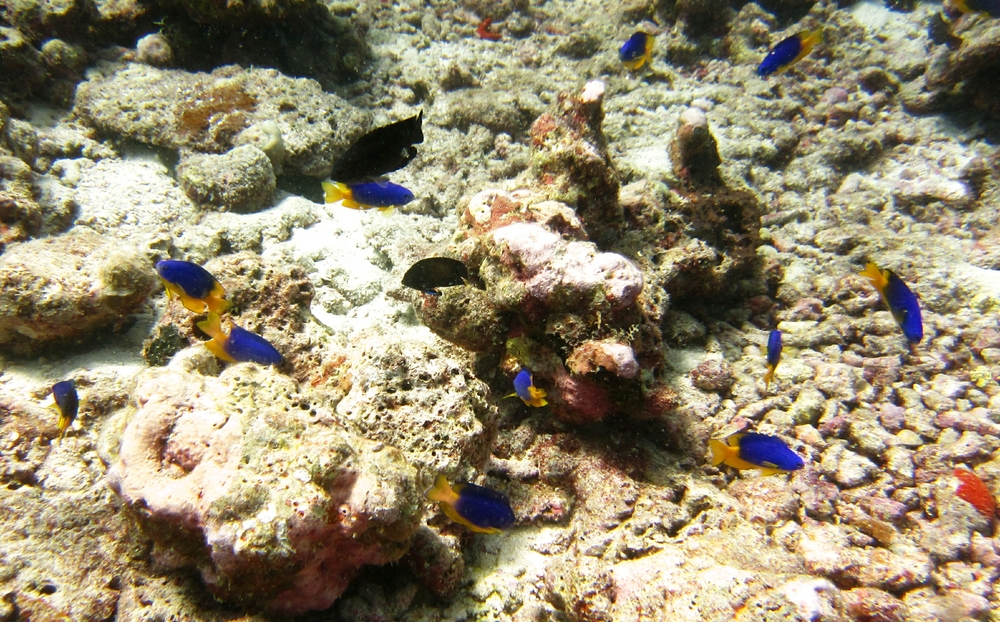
<point>380,151</point>
<point>429,274</point>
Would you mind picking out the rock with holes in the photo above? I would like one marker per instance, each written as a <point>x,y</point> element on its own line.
<point>206,113</point>
<point>252,480</point>
<point>61,290</point>
<point>419,395</point>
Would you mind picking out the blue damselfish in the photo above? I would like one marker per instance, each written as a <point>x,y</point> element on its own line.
<point>902,303</point>
<point>773,355</point>
<point>382,195</point>
<point>193,285</point>
<point>240,345</point>
<point>68,402</point>
<point>525,389</point>
<point>788,52</point>
<point>751,450</point>
<point>637,51</point>
<point>478,508</point>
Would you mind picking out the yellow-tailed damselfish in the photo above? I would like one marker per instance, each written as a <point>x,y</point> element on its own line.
<point>637,51</point>
<point>902,302</point>
<point>751,450</point>
<point>193,285</point>
<point>524,388</point>
<point>383,195</point>
<point>68,402</point>
<point>773,355</point>
<point>788,52</point>
<point>480,509</point>
<point>239,345</point>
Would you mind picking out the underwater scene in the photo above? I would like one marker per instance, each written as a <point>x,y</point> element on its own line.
<point>499,310</point>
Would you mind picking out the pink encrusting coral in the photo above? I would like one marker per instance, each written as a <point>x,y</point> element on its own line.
<point>256,485</point>
<point>559,274</point>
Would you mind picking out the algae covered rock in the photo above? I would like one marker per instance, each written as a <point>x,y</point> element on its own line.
<point>241,180</point>
<point>60,290</point>
<point>253,481</point>
<point>205,113</point>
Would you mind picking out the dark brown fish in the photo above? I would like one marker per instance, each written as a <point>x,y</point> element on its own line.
<point>429,274</point>
<point>380,151</point>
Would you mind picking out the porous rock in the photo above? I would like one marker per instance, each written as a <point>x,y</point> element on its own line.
<point>418,395</point>
<point>528,266</point>
<point>206,112</point>
<point>241,179</point>
<point>252,481</point>
<point>62,289</point>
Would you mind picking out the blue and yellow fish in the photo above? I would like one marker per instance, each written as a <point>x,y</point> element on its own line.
<point>68,402</point>
<point>383,195</point>
<point>751,450</point>
<point>240,345</point>
<point>480,509</point>
<point>788,52</point>
<point>637,51</point>
<point>525,389</point>
<point>197,289</point>
<point>988,7</point>
<point>773,355</point>
<point>902,303</point>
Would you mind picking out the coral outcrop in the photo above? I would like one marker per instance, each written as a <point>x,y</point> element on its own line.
<point>254,482</point>
<point>58,291</point>
<point>206,113</point>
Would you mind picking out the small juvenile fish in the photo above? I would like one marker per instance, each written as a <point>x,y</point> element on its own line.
<point>429,274</point>
<point>480,509</point>
<point>240,345</point>
<point>788,52</point>
<point>751,450</point>
<point>773,355</point>
<point>902,303</point>
<point>637,51</point>
<point>197,290</point>
<point>380,151</point>
<point>988,7</point>
<point>68,403</point>
<point>974,490</point>
<point>367,194</point>
<point>524,388</point>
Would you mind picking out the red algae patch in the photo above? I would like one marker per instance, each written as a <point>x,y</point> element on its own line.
<point>975,491</point>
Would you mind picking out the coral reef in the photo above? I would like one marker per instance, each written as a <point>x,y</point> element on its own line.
<point>630,241</point>
<point>206,112</point>
<point>241,179</point>
<point>255,483</point>
<point>59,291</point>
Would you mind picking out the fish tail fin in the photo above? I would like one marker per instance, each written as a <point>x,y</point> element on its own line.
<point>215,347</point>
<point>812,38</point>
<point>537,397</point>
<point>218,305</point>
<point>338,192</point>
<point>873,274</point>
<point>212,326</point>
<point>719,451</point>
<point>441,491</point>
<point>769,376</point>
